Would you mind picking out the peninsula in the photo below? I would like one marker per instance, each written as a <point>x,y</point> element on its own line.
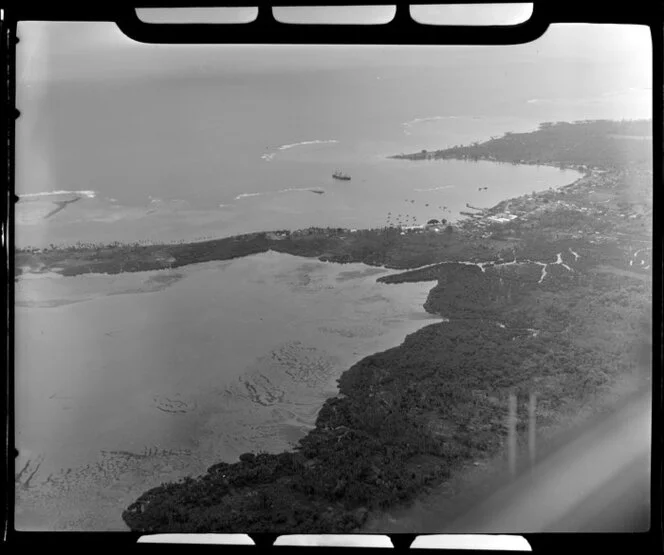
<point>549,292</point>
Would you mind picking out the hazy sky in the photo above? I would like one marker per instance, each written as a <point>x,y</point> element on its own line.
<point>99,50</point>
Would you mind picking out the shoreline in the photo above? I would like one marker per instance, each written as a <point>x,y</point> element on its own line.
<point>247,415</point>
<point>66,234</point>
<point>388,456</point>
<point>57,254</point>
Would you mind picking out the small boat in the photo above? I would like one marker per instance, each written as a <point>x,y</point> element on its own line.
<point>338,175</point>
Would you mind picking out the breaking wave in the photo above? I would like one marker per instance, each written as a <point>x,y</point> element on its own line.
<point>88,194</point>
<point>317,190</point>
<point>245,195</point>
<point>434,188</point>
<point>270,156</point>
<point>308,189</point>
<point>314,142</point>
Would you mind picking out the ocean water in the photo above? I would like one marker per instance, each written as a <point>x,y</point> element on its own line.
<point>215,148</point>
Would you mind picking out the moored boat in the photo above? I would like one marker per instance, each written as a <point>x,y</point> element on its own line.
<point>339,175</point>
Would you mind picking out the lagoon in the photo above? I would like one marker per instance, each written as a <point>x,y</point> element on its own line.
<point>126,381</point>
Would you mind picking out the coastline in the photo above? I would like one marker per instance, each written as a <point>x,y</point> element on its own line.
<point>366,422</point>
<point>323,243</point>
<point>392,192</point>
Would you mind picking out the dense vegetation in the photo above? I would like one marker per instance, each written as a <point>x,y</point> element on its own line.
<point>560,307</point>
<point>598,143</point>
<point>384,246</point>
<point>409,416</point>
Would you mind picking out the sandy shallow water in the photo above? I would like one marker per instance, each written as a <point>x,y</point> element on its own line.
<point>126,381</point>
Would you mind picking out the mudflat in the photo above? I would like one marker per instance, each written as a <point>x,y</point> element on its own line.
<point>126,381</point>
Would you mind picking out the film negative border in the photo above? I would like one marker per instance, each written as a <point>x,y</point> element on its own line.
<point>265,29</point>
<point>402,29</point>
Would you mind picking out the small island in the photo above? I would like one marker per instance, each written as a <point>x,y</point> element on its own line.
<point>549,292</point>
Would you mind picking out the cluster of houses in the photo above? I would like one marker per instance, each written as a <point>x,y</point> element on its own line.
<point>434,226</point>
<point>278,235</point>
<point>502,218</point>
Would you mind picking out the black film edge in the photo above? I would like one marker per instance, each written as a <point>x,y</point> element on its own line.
<point>401,30</point>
